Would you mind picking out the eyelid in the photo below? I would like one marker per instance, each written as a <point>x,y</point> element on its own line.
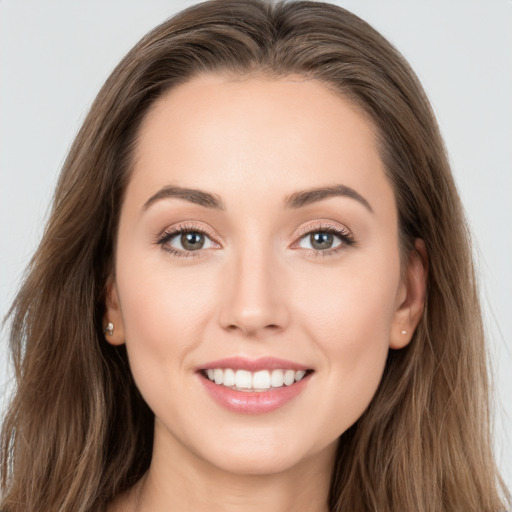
<point>322,225</point>
<point>184,227</point>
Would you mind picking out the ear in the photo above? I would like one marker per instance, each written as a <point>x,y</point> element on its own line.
<point>113,316</point>
<point>411,297</point>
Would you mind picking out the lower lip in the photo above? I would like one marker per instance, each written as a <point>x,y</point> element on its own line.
<point>257,402</point>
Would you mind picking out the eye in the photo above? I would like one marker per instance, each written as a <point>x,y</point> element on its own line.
<point>319,241</point>
<point>185,240</point>
<point>326,239</point>
<point>189,240</point>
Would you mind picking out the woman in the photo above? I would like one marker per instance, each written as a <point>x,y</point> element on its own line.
<point>255,287</point>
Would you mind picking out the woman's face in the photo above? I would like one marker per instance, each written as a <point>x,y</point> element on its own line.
<point>257,243</point>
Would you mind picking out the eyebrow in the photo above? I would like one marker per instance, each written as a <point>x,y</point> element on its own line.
<point>296,200</point>
<point>192,195</point>
<point>306,197</point>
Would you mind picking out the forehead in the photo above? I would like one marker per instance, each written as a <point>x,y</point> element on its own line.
<point>236,137</point>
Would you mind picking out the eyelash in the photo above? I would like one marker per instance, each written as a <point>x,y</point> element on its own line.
<point>346,237</point>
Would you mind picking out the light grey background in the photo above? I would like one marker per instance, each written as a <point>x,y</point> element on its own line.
<point>56,54</point>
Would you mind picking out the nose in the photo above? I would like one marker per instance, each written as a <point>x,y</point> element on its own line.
<point>255,302</point>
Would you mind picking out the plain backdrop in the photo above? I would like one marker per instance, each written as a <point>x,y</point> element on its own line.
<point>55,55</point>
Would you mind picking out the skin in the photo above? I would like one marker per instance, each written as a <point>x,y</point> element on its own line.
<point>257,288</point>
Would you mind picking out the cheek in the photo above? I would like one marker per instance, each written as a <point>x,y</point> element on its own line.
<point>349,315</point>
<point>163,310</point>
<point>354,304</point>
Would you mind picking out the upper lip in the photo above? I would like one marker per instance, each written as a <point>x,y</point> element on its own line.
<point>254,365</point>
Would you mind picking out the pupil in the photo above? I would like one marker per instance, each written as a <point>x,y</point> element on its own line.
<point>192,241</point>
<point>321,240</point>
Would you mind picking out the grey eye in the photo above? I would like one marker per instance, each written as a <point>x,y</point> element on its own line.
<point>319,240</point>
<point>190,241</point>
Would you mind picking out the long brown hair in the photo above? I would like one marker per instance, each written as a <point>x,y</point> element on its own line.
<point>78,433</point>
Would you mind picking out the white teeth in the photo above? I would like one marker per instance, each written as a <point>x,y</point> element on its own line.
<point>218,376</point>
<point>289,377</point>
<point>243,379</point>
<point>298,375</point>
<point>262,380</point>
<point>277,378</point>
<point>229,377</point>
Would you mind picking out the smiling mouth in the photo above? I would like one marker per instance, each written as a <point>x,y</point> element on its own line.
<point>250,382</point>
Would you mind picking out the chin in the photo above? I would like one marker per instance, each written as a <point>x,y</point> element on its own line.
<point>256,465</point>
<point>262,455</point>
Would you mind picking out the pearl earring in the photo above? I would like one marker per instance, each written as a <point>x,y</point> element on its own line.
<point>403,332</point>
<point>109,329</point>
